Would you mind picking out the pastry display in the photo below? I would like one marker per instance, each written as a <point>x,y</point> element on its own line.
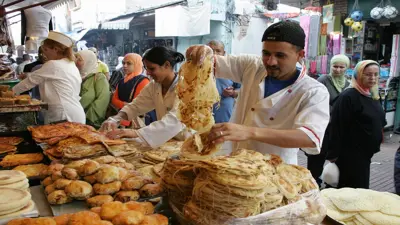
<point>32,170</point>
<point>13,179</point>
<point>79,190</point>
<point>127,196</point>
<point>99,200</point>
<point>11,140</point>
<point>14,202</point>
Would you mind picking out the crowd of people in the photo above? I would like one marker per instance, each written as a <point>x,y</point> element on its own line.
<point>268,102</point>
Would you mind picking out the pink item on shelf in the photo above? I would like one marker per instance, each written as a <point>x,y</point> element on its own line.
<point>395,45</point>
<point>305,24</point>
<point>324,64</point>
<point>336,44</point>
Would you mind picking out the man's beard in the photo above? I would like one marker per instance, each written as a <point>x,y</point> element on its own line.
<point>273,71</point>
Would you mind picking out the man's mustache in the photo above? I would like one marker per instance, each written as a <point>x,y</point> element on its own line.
<point>272,67</point>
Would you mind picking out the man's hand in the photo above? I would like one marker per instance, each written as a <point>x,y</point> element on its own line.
<point>22,76</point>
<point>229,132</point>
<point>229,92</point>
<point>109,125</point>
<point>122,133</point>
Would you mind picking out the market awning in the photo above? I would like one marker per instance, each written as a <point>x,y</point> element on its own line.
<point>77,35</point>
<point>119,24</point>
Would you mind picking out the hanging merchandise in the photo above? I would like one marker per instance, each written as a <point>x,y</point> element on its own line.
<point>390,11</point>
<point>357,26</point>
<point>327,12</point>
<point>312,9</point>
<point>348,22</point>
<point>377,12</point>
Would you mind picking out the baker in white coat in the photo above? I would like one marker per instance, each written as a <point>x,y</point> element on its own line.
<point>280,108</point>
<point>160,95</point>
<point>59,81</point>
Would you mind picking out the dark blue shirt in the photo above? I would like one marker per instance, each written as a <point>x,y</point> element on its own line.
<point>224,112</point>
<point>273,85</point>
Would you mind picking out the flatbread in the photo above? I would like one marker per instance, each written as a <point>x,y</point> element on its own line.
<point>11,176</point>
<point>380,218</point>
<point>23,184</point>
<point>335,213</point>
<point>148,161</point>
<point>11,140</point>
<point>123,149</point>
<point>13,198</point>
<point>156,155</point>
<point>32,170</point>
<point>356,200</point>
<point>84,151</point>
<point>4,148</point>
<point>157,168</point>
<point>21,159</point>
<point>28,208</point>
<point>293,173</point>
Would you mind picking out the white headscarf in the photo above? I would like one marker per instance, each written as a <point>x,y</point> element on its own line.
<point>119,66</point>
<point>89,63</point>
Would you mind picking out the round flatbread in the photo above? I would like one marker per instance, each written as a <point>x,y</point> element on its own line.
<point>28,208</point>
<point>11,176</point>
<point>157,169</point>
<point>13,198</point>
<point>17,185</point>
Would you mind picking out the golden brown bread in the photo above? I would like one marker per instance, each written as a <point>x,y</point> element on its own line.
<point>58,197</point>
<point>84,218</point>
<point>50,188</point>
<point>126,196</point>
<point>99,200</point>
<point>47,181</point>
<point>21,159</point>
<point>89,168</point>
<point>62,183</point>
<point>111,209</point>
<point>107,174</point>
<point>107,189</point>
<point>150,190</point>
<point>91,179</point>
<point>155,219</point>
<point>70,173</point>
<point>128,218</point>
<point>134,183</point>
<point>79,190</point>
<point>55,175</point>
<point>96,210</point>
<point>62,219</point>
<point>144,207</point>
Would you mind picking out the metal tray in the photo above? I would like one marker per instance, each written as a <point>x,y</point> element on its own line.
<point>34,107</point>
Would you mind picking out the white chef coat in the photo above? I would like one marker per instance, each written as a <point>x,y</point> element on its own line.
<point>167,125</point>
<point>59,85</point>
<point>303,105</point>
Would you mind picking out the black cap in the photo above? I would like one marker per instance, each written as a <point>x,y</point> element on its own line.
<point>286,31</point>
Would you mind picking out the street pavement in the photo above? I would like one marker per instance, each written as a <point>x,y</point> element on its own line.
<point>382,164</point>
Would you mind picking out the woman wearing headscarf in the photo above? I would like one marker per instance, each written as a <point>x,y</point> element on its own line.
<point>58,79</point>
<point>133,82</point>
<point>335,82</point>
<point>356,126</point>
<point>117,75</point>
<point>95,91</point>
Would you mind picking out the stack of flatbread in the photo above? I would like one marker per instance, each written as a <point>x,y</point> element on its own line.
<point>13,179</point>
<point>8,144</point>
<point>177,178</point>
<point>361,206</point>
<point>14,202</point>
<point>246,183</point>
<point>196,89</point>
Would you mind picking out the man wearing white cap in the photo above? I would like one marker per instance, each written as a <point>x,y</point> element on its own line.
<point>59,81</point>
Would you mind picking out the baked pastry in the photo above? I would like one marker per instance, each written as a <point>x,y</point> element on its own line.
<point>154,219</point>
<point>21,159</point>
<point>79,190</point>
<point>105,159</point>
<point>91,179</point>
<point>125,165</point>
<point>96,210</point>
<point>43,221</point>
<point>128,218</point>
<point>111,209</point>
<point>99,200</point>
<point>84,218</point>
<point>55,175</point>
<point>89,168</point>
<point>4,88</point>
<point>23,101</point>
<point>33,170</point>
<point>54,167</point>
<point>47,181</point>
<point>76,164</point>
<point>58,197</point>
<point>62,219</point>
<point>123,174</point>
<point>107,174</point>
<point>7,101</point>
<point>7,94</point>
<point>134,183</point>
<point>144,207</point>
<point>126,196</point>
<point>20,221</point>
<point>104,222</point>
<point>107,189</point>
<point>50,188</point>
<point>70,173</point>
<point>62,183</point>
<point>6,148</point>
<point>11,140</point>
<point>150,190</point>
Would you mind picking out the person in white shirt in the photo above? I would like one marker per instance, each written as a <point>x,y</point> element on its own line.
<point>160,95</point>
<point>280,109</point>
<point>59,81</point>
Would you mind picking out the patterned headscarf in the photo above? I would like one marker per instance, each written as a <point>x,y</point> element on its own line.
<point>339,81</point>
<point>356,81</point>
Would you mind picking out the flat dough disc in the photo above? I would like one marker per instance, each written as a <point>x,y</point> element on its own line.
<point>11,176</point>
<point>17,185</point>
<point>13,198</point>
<point>28,208</point>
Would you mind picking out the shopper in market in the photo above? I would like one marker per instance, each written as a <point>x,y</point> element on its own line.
<point>101,67</point>
<point>95,90</point>
<point>335,82</point>
<point>117,75</point>
<point>227,89</point>
<point>281,108</point>
<point>26,60</point>
<point>59,80</point>
<point>356,127</point>
<point>159,95</point>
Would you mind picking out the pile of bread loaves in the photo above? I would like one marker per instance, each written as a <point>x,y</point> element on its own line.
<point>96,181</point>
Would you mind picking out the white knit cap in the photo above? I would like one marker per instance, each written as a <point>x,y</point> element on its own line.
<point>61,38</point>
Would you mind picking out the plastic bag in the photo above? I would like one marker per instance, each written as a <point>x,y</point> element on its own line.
<point>330,174</point>
<point>308,210</point>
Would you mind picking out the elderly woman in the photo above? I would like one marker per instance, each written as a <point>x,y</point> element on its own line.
<point>95,91</point>
<point>357,122</point>
<point>335,82</point>
<point>58,79</point>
